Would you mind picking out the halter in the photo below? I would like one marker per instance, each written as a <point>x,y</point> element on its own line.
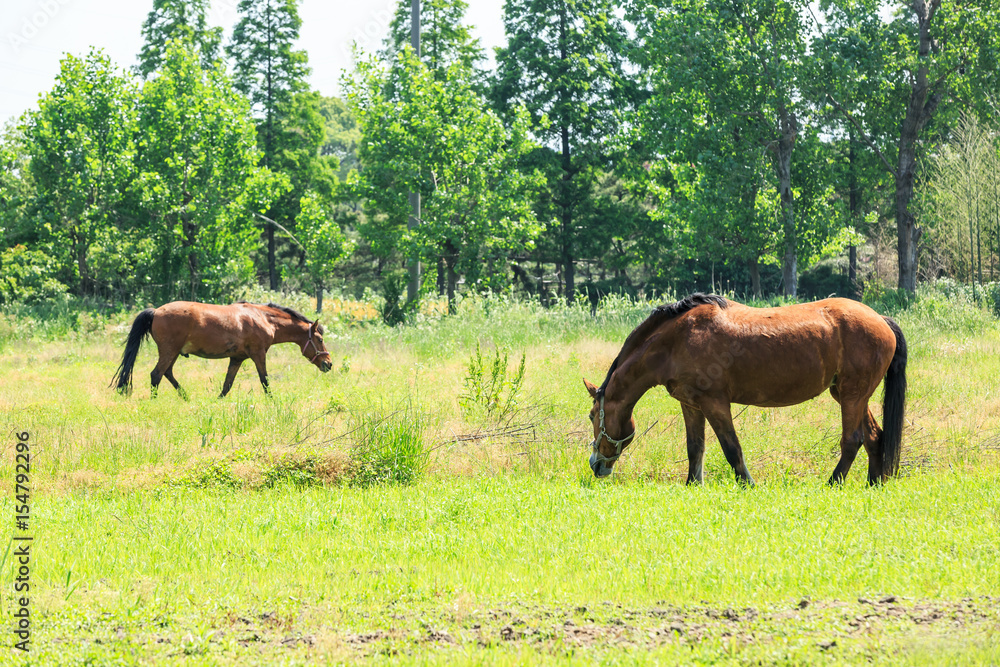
<point>604,434</point>
<point>313,343</point>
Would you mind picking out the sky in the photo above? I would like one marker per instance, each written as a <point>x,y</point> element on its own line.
<point>35,34</point>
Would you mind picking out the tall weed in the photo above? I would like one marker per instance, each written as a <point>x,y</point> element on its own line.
<point>490,389</point>
<point>388,449</point>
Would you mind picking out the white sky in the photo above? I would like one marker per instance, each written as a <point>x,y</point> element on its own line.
<point>34,35</point>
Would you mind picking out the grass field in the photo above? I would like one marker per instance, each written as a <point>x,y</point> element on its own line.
<point>268,530</point>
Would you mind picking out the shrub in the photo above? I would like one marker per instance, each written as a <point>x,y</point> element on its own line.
<point>490,388</point>
<point>26,276</point>
<point>388,449</point>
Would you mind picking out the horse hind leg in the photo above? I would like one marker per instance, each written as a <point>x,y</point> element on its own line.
<point>873,445</point>
<point>169,374</point>
<point>852,435</point>
<point>163,369</point>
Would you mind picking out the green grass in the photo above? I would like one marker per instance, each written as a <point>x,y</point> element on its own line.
<point>239,531</point>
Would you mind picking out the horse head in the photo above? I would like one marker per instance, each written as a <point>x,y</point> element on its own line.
<point>605,448</point>
<point>314,350</point>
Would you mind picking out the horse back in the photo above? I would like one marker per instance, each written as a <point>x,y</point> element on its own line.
<point>787,354</point>
<point>209,330</point>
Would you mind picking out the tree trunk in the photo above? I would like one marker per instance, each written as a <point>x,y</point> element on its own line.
<point>786,142</point>
<point>852,268</point>
<point>567,176</point>
<point>190,231</point>
<point>451,258</point>
<point>81,263</point>
<point>319,298</point>
<point>919,110</point>
<point>521,274</point>
<point>754,267</point>
<point>272,265</point>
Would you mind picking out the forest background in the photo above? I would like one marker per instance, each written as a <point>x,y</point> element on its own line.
<point>635,148</point>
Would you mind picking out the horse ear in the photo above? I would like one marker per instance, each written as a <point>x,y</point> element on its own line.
<point>590,388</point>
<point>314,326</point>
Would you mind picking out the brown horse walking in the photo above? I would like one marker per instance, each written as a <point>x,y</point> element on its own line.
<point>710,352</point>
<point>240,331</point>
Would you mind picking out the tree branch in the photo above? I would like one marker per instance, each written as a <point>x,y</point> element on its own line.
<point>864,135</point>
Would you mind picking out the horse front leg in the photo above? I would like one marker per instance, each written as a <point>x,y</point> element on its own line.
<point>260,362</point>
<point>694,424</point>
<point>720,416</point>
<point>234,367</point>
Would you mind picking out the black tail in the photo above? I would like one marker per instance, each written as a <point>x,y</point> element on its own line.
<point>140,329</point>
<point>894,404</point>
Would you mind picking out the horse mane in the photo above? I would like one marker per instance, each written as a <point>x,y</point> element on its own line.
<point>660,314</point>
<point>291,312</point>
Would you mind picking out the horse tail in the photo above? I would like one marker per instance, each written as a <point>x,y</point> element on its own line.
<point>893,404</point>
<point>140,329</point>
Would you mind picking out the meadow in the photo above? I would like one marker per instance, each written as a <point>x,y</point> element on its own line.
<point>426,502</point>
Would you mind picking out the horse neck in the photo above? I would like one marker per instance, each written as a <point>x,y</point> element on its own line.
<point>627,386</point>
<point>288,330</point>
<point>630,382</point>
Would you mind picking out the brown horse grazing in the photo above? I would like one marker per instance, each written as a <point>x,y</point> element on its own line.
<point>240,331</point>
<point>710,352</point>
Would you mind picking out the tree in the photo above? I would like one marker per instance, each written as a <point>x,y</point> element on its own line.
<point>199,181</point>
<point>433,136</point>
<point>322,240</point>
<point>16,185</point>
<point>895,80</point>
<point>444,39</point>
<point>342,134</point>
<point>271,74</point>
<point>81,144</point>
<point>726,80</point>
<point>185,20</point>
<point>964,200</point>
<point>565,61</point>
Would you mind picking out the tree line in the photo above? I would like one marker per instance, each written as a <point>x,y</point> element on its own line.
<point>653,146</point>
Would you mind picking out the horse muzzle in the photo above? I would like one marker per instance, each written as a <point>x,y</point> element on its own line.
<point>325,366</point>
<point>600,464</point>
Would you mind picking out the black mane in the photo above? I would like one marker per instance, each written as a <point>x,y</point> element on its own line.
<point>661,314</point>
<point>291,312</point>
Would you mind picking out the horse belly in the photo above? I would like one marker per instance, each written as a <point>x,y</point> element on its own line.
<point>192,348</point>
<point>780,384</point>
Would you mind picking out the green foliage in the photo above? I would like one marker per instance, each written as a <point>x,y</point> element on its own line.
<point>321,238</point>
<point>962,202</point>
<point>16,186</point>
<point>566,64</point>
<point>886,300</point>
<point>183,20</point>
<point>898,78</point>
<point>81,141</point>
<point>490,388</point>
<point>433,137</point>
<point>27,276</point>
<point>388,449</point>
<point>747,177</point>
<point>265,66</point>
<point>198,178</point>
<point>393,287</point>
<point>342,134</point>
<point>271,74</point>
<point>444,39</point>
